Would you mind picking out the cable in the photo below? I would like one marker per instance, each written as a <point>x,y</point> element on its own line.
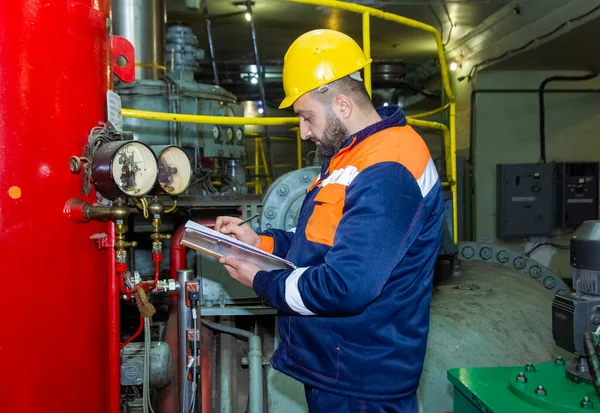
<point>526,45</point>
<point>134,336</point>
<point>172,208</point>
<point>542,109</point>
<point>147,406</point>
<point>543,244</point>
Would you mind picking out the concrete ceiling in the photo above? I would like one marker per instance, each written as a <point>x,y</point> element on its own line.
<point>574,50</point>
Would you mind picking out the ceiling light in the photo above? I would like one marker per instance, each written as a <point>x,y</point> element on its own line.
<point>453,66</point>
<point>261,110</point>
<point>248,16</point>
<point>254,80</point>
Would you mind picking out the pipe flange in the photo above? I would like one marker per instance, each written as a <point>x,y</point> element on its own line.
<point>512,259</point>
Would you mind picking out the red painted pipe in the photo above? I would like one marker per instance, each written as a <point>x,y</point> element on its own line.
<point>206,339</point>
<point>114,339</point>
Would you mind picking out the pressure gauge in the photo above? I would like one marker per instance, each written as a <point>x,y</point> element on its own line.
<point>124,168</point>
<point>239,135</point>
<point>174,170</point>
<point>229,134</point>
<point>216,132</point>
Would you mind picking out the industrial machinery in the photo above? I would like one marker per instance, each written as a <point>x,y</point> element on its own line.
<point>570,383</point>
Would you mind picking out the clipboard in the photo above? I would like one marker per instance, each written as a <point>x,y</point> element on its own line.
<point>210,242</point>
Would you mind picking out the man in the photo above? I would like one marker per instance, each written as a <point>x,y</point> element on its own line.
<point>354,315</point>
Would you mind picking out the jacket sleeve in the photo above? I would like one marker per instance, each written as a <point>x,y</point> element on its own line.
<point>385,210</point>
<point>276,242</point>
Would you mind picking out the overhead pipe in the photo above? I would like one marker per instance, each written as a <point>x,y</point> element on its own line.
<point>255,360</point>
<point>210,41</point>
<point>261,87</point>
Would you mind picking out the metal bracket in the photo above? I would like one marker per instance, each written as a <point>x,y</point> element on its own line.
<point>473,251</point>
<point>123,59</point>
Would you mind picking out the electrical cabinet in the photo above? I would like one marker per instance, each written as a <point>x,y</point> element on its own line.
<point>525,200</point>
<point>576,193</point>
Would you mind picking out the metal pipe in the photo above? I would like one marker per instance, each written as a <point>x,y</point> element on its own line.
<point>206,367</point>
<point>184,318</point>
<point>226,387</point>
<point>114,328</point>
<point>261,87</point>
<point>366,26</point>
<point>254,362</point>
<point>210,41</point>
<point>453,177</point>
<point>143,22</point>
<point>256,375</point>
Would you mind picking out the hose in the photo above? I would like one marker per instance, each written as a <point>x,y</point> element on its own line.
<point>147,406</point>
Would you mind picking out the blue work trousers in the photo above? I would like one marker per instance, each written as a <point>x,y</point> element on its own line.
<point>322,402</point>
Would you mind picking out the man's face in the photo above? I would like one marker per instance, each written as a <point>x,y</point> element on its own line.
<point>319,123</point>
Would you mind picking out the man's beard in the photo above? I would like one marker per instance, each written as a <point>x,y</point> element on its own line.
<point>334,136</point>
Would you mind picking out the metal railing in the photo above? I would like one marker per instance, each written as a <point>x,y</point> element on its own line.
<point>448,131</point>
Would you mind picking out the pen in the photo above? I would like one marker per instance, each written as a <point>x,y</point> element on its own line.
<point>249,219</point>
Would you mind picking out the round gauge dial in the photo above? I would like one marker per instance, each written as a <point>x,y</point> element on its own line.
<point>229,134</point>
<point>174,170</point>
<point>239,134</point>
<point>124,168</point>
<point>216,132</point>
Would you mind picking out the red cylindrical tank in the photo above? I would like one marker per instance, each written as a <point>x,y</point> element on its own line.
<point>54,74</point>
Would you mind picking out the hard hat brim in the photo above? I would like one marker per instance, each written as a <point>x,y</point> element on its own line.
<point>287,102</point>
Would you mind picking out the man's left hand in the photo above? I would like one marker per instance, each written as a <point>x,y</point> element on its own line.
<point>241,271</point>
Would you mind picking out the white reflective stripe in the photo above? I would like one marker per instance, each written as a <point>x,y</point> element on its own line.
<point>343,176</point>
<point>428,178</point>
<point>292,230</point>
<point>292,294</point>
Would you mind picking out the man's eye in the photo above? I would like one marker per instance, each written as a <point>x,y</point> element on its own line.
<point>307,119</point>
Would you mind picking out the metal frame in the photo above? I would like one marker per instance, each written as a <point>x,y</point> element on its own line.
<point>448,131</point>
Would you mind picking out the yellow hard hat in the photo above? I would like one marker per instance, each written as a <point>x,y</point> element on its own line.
<point>317,58</point>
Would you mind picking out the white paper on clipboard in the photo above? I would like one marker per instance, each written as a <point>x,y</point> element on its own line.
<point>201,238</point>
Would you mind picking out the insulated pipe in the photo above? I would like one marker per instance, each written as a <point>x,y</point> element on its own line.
<point>254,362</point>
<point>184,322</point>
<point>114,328</point>
<point>226,387</point>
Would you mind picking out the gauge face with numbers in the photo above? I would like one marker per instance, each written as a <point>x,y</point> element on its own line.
<point>216,132</point>
<point>174,170</point>
<point>134,168</point>
<point>239,134</point>
<point>229,134</point>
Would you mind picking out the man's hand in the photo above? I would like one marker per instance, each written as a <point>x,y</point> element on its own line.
<point>241,271</point>
<point>229,226</point>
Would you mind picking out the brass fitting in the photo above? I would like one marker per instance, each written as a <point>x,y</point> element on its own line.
<point>83,211</point>
<point>120,243</point>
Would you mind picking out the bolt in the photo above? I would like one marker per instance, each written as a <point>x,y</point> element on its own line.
<point>586,403</point>
<point>540,391</point>
<point>522,378</point>
<point>560,361</point>
<point>529,367</point>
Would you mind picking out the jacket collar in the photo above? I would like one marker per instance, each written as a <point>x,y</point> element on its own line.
<point>391,116</point>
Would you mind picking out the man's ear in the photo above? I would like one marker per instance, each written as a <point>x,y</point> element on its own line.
<point>343,106</point>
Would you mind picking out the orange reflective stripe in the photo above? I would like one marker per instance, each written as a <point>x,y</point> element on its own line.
<point>399,144</point>
<point>329,205</point>
<point>267,244</point>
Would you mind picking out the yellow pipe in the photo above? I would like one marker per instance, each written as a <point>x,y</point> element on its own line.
<point>431,112</point>
<point>356,8</point>
<point>366,24</point>
<point>454,176</point>
<point>214,120</point>
<point>257,186</point>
